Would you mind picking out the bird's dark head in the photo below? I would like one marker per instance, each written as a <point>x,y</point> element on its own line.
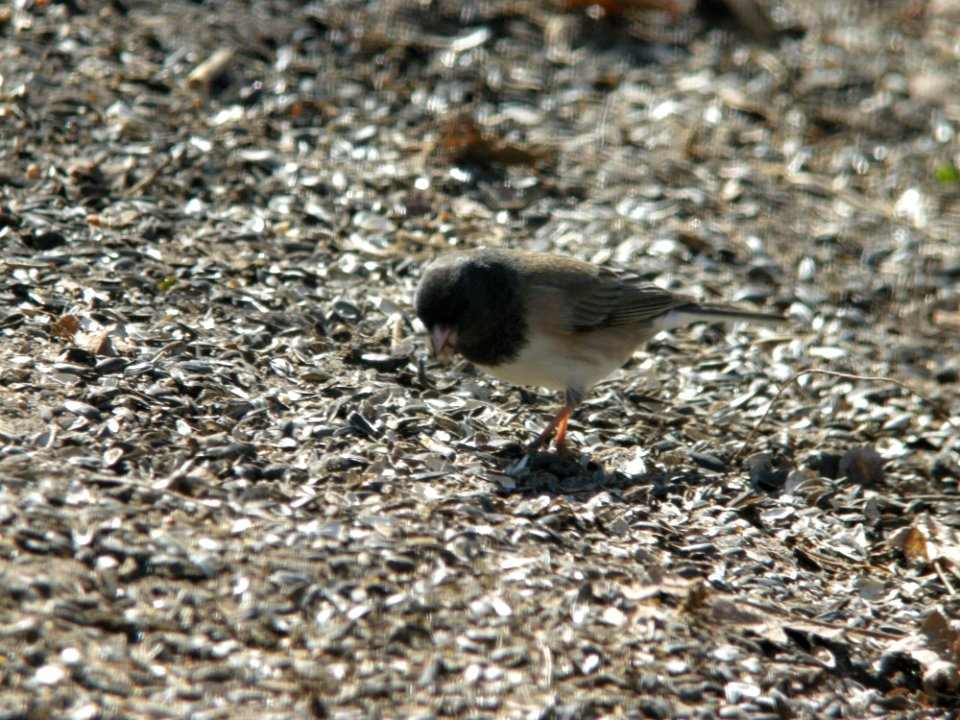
<point>441,301</point>
<point>473,304</point>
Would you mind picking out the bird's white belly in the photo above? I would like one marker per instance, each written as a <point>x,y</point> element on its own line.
<point>556,364</point>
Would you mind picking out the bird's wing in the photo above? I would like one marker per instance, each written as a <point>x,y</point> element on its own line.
<point>612,299</point>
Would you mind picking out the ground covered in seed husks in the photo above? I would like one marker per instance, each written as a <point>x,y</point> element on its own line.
<point>234,485</point>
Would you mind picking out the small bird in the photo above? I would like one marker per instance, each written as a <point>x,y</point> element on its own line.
<point>541,319</point>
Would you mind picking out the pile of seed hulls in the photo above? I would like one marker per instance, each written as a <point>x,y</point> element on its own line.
<point>233,484</point>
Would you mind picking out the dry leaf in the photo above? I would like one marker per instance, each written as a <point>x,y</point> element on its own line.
<point>65,327</point>
<point>862,465</point>
<point>915,547</point>
<point>464,140</point>
<point>98,343</point>
<point>620,8</point>
<point>936,646</point>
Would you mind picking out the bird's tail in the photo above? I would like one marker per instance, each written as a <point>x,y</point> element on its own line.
<point>707,312</point>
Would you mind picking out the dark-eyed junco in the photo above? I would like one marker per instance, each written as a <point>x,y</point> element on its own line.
<point>540,319</point>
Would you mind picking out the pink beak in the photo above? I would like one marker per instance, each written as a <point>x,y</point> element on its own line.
<point>443,339</point>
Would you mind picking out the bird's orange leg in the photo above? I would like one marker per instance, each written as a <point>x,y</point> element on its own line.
<point>559,425</point>
<point>561,440</point>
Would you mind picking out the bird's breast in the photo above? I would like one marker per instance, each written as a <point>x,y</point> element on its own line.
<point>560,361</point>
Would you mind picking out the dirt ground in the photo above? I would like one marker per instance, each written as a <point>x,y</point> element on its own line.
<point>233,483</point>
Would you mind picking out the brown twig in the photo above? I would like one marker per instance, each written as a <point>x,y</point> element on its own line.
<point>938,566</point>
<point>848,376</point>
<point>147,179</point>
<point>784,612</point>
<point>204,75</point>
